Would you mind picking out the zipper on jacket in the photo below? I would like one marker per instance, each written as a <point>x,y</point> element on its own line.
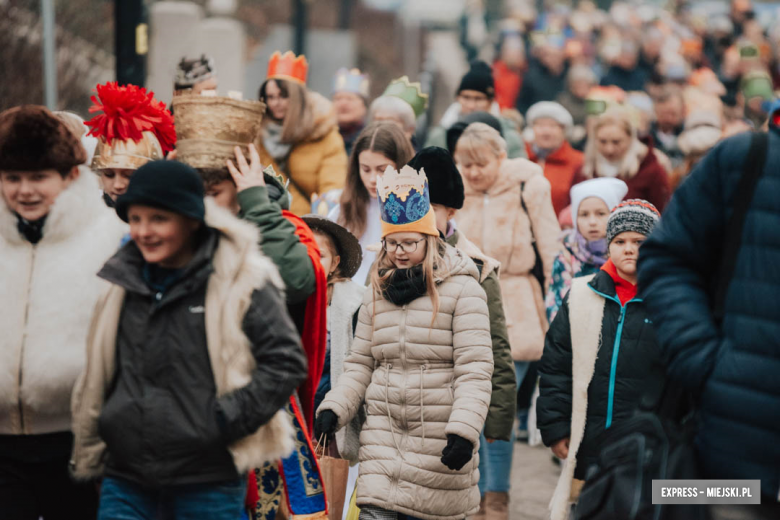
<point>24,339</point>
<point>402,336</point>
<point>615,352</point>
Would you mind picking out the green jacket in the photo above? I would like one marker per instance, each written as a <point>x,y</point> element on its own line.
<point>278,239</point>
<point>503,400</point>
<point>515,147</point>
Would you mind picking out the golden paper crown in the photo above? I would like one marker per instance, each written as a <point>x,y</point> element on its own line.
<point>405,202</point>
<point>126,155</point>
<point>288,67</point>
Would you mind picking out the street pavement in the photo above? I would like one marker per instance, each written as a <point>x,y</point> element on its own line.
<point>534,476</point>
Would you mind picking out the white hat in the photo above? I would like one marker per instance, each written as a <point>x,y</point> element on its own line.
<point>611,191</point>
<point>552,110</point>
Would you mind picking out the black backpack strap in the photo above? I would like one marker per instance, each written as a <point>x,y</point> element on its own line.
<point>525,208</point>
<point>743,196</point>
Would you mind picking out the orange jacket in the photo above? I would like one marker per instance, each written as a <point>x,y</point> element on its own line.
<point>559,168</point>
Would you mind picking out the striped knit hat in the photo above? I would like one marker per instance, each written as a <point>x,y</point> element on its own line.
<point>634,215</point>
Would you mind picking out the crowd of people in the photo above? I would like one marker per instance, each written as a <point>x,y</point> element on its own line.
<point>198,298</point>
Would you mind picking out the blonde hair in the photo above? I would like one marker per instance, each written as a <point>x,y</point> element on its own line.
<point>475,140</point>
<point>620,117</point>
<point>434,258</point>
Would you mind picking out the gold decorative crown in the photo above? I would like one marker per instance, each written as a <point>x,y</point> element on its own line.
<point>410,92</point>
<point>288,67</point>
<point>401,183</point>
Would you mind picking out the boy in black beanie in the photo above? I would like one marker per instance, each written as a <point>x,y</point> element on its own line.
<point>476,93</point>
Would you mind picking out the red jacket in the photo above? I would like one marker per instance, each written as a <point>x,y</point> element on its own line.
<point>508,83</point>
<point>651,182</point>
<point>560,169</point>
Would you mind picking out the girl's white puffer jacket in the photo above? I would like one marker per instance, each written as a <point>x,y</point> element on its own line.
<point>419,384</point>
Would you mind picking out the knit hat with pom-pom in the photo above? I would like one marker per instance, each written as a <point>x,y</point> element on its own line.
<point>634,215</point>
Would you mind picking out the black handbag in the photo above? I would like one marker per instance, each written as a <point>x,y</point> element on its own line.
<point>657,442</point>
<point>538,269</point>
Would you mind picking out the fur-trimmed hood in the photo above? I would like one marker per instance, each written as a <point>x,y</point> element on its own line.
<point>48,292</point>
<point>455,263</point>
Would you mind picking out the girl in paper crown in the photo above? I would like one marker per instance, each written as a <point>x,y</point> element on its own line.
<point>422,363</point>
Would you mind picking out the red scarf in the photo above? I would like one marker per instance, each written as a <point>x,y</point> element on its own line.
<point>626,291</point>
<point>315,328</point>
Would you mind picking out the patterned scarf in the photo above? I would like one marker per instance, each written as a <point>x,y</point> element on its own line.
<point>591,252</point>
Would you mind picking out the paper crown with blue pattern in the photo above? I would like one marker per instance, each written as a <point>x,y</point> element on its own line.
<point>351,80</point>
<point>405,202</point>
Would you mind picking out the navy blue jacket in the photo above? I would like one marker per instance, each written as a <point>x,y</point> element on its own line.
<point>733,369</point>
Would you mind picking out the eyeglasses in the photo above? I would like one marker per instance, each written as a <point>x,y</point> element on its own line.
<point>407,246</point>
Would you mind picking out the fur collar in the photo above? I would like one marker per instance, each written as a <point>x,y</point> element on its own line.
<point>511,174</point>
<point>489,264</point>
<point>74,209</point>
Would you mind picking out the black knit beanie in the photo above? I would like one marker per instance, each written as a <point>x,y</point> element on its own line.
<point>479,78</point>
<point>444,180</point>
<point>168,185</point>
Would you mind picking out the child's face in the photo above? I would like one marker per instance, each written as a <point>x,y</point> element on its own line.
<point>163,237</point>
<point>592,217</point>
<point>115,181</point>
<point>624,252</point>
<point>328,257</point>
<point>225,194</point>
<point>405,250</point>
<point>32,194</point>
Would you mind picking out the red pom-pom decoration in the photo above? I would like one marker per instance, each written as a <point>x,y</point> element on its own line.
<point>127,112</point>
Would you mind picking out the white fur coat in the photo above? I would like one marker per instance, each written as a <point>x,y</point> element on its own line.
<point>47,294</point>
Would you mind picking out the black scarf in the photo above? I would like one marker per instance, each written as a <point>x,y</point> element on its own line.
<point>32,231</point>
<point>108,200</point>
<point>405,285</point>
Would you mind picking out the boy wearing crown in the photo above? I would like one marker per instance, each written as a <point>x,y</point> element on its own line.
<point>132,128</point>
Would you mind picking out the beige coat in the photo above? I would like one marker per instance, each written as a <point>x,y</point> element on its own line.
<point>239,269</point>
<point>496,223</point>
<point>419,384</point>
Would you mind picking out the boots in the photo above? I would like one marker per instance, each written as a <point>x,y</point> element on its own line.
<point>481,513</point>
<point>496,506</point>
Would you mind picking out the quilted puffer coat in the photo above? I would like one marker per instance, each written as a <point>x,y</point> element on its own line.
<point>419,384</point>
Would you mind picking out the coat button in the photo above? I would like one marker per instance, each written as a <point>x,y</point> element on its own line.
<point>158,296</point>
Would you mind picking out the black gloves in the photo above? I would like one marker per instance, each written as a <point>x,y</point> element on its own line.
<point>457,452</point>
<point>325,424</point>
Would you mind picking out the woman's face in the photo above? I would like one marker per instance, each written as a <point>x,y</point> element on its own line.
<point>624,253</point>
<point>405,250</point>
<point>32,194</point>
<point>277,103</point>
<point>592,217</point>
<point>612,142</point>
<point>328,257</point>
<point>548,133</point>
<point>481,169</point>
<point>115,181</point>
<point>372,164</point>
<point>164,238</point>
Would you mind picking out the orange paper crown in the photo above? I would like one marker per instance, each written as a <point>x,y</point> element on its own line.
<point>288,67</point>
